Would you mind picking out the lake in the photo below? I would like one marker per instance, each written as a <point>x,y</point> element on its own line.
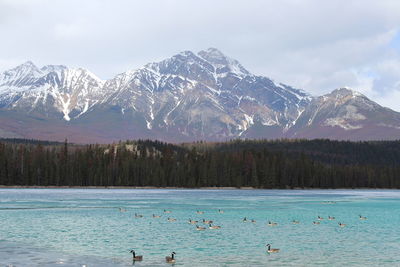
<point>76,227</point>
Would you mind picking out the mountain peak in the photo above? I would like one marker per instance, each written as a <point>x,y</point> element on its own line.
<point>27,66</point>
<point>222,62</point>
<point>345,91</point>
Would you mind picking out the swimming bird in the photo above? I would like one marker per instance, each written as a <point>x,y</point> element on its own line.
<point>331,218</point>
<point>192,222</point>
<point>362,217</point>
<point>342,224</point>
<point>272,223</point>
<point>199,212</point>
<point>171,259</point>
<point>167,211</point>
<point>320,218</point>
<point>244,219</point>
<point>122,209</point>
<point>272,250</point>
<point>171,219</point>
<point>138,215</point>
<point>213,226</point>
<point>156,216</point>
<point>207,221</point>
<point>295,222</point>
<point>220,211</point>
<point>253,221</point>
<point>316,222</point>
<point>200,228</point>
<point>136,258</point>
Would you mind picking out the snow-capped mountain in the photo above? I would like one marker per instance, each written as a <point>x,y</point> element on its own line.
<point>203,96</point>
<point>52,91</point>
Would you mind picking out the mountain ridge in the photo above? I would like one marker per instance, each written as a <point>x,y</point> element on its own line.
<point>187,97</point>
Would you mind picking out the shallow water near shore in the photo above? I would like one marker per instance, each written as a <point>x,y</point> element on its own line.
<point>73,227</point>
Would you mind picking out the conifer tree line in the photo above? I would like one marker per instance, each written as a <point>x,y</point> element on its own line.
<point>238,163</point>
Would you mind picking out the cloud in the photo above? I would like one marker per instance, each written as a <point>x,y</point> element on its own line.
<point>311,44</point>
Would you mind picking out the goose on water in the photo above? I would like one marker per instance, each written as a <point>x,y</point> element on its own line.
<point>136,258</point>
<point>192,221</point>
<point>272,250</point>
<point>213,226</point>
<point>171,259</point>
<point>207,221</point>
<point>200,228</point>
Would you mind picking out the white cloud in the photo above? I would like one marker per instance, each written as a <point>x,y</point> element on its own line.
<point>312,44</point>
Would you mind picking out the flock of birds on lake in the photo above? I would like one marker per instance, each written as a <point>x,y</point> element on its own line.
<point>171,259</point>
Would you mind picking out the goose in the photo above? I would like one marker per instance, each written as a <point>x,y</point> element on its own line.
<point>342,224</point>
<point>244,219</point>
<point>362,217</point>
<point>171,219</point>
<point>316,222</point>
<point>136,258</point>
<point>207,221</point>
<point>200,228</point>
<point>192,222</point>
<point>253,221</point>
<point>295,222</point>
<point>200,212</point>
<point>213,226</point>
<point>138,215</point>
<point>156,216</point>
<point>331,218</point>
<point>220,211</point>
<point>170,259</point>
<point>320,218</point>
<point>167,211</point>
<point>272,223</point>
<point>272,250</point>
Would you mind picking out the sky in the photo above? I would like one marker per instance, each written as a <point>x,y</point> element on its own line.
<point>314,45</point>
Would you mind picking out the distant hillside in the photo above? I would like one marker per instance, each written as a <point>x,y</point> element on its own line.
<point>259,164</point>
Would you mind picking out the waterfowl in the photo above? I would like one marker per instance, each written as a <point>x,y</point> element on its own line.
<point>272,223</point>
<point>167,211</point>
<point>331,218</point>
<point>171,219</point>
<point>136,258</point>
<point>200,228</point>
<point>272,250</point>
<point>320,218</point>
<point>316,222</point>
<point>207,221</point>
<point>138,215</point>
<point>244,219</point>
<point>362,217</point>
<point>220,211</point>
<point>156,216</point>
<point>192,222</point>
<point>342,224</point>
<point>295,222</point>
<point>253,221</point>
<point>213,226</point>
<point>199,212</point>
<point>122,209</point>
<point>170,259</point>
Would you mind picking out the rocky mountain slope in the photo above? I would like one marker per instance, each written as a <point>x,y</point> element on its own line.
<point>203,96</point>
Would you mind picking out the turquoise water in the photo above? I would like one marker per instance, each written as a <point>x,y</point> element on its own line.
<point>72,227</point>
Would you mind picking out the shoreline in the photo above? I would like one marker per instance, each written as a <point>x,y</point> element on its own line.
<point>181,188</point>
